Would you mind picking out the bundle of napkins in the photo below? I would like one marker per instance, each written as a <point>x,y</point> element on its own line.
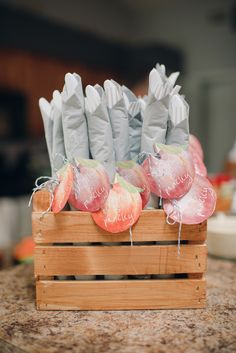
<point>114,154</point>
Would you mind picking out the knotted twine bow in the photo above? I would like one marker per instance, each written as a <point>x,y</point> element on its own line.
<point>49,184</point>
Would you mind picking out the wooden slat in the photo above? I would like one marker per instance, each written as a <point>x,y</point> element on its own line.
<point>119,260</point>
<point>196,275</point>
<point>78,227</point>
<point>41,202</point>
<point>121,295</point>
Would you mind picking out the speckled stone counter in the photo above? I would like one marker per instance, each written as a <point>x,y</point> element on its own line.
<point>23,329</point>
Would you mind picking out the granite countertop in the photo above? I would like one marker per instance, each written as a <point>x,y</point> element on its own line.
<point>23,329</point>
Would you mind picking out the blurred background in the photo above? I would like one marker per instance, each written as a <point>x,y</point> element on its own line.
<point>41,40</point>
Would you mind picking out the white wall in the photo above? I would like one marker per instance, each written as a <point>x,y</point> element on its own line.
<point>185,24</point>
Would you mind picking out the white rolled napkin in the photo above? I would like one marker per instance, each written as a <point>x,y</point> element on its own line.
<point>178,123</point>
<point>73,118</point>
<point>45,109</point>
<point>58,147</point>
<point>134,108</point>
<point>135,128</point>
<point>119,120</point>
<point>161,89</point>
<point>162,72</point>
<point>99,130</point>
<point>155,114</point>
<point>99,89</point>
<point>143,104</point>
<point>129,94</point>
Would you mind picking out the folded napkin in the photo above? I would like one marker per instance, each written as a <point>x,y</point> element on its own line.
<point>162,72</point>
<point>58,148</point>
<point>135,128</point>
<point>99,130</point>
<point>129,94</point>
<point>178,123</point>
<point>45,109</point>
<point>73,118</point>
<point>134,109</point>
<point>119,120</point>
<point>155,114</point>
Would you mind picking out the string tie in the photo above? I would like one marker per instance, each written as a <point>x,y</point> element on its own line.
<point>49,185</point>
<point>177,211</point>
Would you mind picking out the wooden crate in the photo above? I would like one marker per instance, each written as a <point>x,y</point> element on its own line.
<point>56,256</point>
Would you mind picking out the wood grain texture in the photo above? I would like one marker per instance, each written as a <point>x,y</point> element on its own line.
<point>119,260</point>
<point>41,201</point>
<point>196,275</point>
<point>79,227</point>
<point>121,295</point>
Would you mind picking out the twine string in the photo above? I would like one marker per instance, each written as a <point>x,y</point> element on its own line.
<point>179,236</point>
<point>142,156</point>
<point>131,236</point>
<point>177,207</point>
<point>49,184</point>
<point>170,221</point>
